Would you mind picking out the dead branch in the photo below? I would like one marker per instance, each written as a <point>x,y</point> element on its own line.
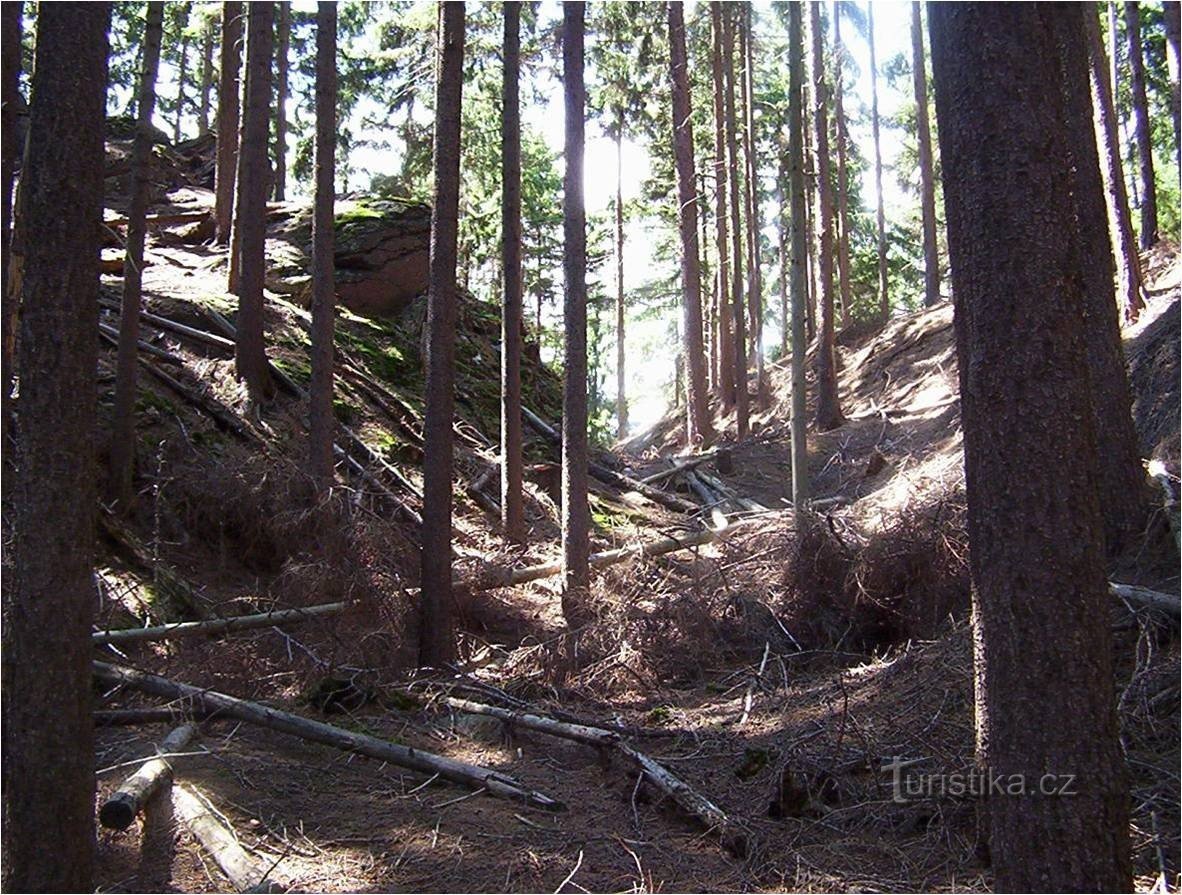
<point>219,625</point>
<point>1143,596</point>
<point>132,717</point>
<point>125,803</point>
<point>243,871</point>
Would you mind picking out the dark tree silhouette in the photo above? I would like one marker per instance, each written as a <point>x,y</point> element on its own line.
<point>206,80</point>
<point>1045,701</point>
<point>283,32</point>
<point>724,183</point>
<point>927,179</point>
<point>884,300</point>
<point>734,193</point>
<point>226,167</point>
<point>796,129</point>
<point>840,135</point>
<point>1141,126</point>
<point>10,70</point>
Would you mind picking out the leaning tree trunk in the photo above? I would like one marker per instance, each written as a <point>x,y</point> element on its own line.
<point>512,502</point>
<point>1141,121</point>
<point>206,80</point>
<point>828,410</point>
<point>927,179</point>
<point>122,452</point>
<point>10,70</point>
<point>1043,650</point>
<point>226,165</point>
<point>48,590</point>
<point>724,183</point>
<point>322,423</point>
<point>843,216</point>
<point>621,379</point>
<point>576,516</point>
<point>800,291</point>
<point>697,421</point>
<point>281,66</point>
<point>436,628</point>
<point>1124,243</point>
<point>742,401</point>
<point>884,300</point>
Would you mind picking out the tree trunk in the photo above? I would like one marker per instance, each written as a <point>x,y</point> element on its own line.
<point>206,80</point>
<point>621,379</point>
<point>1124,493</point>
<point>10,70</point>
<point>121,807</point>
<point>576,516</point>
<point>829,414</point>
<point>1141,122</point>
<point>738,312</point>
<point>800,292</point>
<point>281,65</point>
<point>812,260</point>
<point>437,644</point>
<point>322,422</point>
<point>697,421</point>
<point>706,275</point>
<point>1128,263</point>
<point>122,454</point>
<point>884,300</point>
<point>843,217</point>
<point>751,198</point>
<point>512,505</point>
<point>250,214</point>
<point>784,220</point>
<point>1043,652</point>
<point>927,180</point>
<point>226,164</point>
<point>723,180</point>
<point>1171,13</point>
<point>182,74</point>
<point>48,590</point>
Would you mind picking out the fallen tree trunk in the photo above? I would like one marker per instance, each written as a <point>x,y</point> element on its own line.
<point>1143,596</point>
<point>197,335</point>
<point>112,336</point>
<point>706,813</point>
<point>730,493</point>
<point>680,464</point>
<point>218,625</point>
<point>125,803</point>
<point>492,781</point>
<point>168,219</point>
<point>244,872</point>
<point>132,717</point>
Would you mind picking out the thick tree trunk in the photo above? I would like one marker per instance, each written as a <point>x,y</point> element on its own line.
<point>10,69</point>
<point>724,183</point>
<point>322,422</point>
<point>1043,652</point>
<point>1141,122</point>
<point>250,213</point>
<point>738,274</point>
<point>752,209</point>
<point>576,516</point>
<point>436,628</point>
<point>206,80</point>
<point>226,165</point>
<point>1130,289</point>
<point>828,410</point>
<point>182,75</point>
<point>927,179</point>
<point>281,66</point>
<point>621,378</point>
<point>843,216</point>
<point>697,421</point>
<point>800,292</point>
<point>512,505</point>
<point>884,300</point>
<point>122,453</point>
<point>48,591</point>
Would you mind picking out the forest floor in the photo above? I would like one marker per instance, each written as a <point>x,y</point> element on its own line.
<point>776,671</point>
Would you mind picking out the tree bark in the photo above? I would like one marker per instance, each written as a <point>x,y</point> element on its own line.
<point>1044,679</point>
<point>206,80</point>
<point>226,163</point>
<point>697,421</point>
<point>209,828</point>
<point>828,410</point>
<point>322,422</point>
<point>723,184</point>
<point>250,214</point>
<point>48,591</point>
<point>121,807</point>
<point>751,198</point>
<point>182,75</point>
<point>621,317</point>
<point>800,292</point>
<point>576,516</point>
<point>843,216</point>
<point>281,67</point>
<point>1171,18</point>
<point>10,70</point>
<point>782,249</point>
<point>512,501</point>
<point>884,299</point>
<point>121,470</point>
<point>927,180</point>
<point>738,313</point>
<point>436,628</point>
<point>1130,287</point>
<point>1141,123</point>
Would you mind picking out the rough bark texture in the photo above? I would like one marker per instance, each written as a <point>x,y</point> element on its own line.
<point>797,194</point>
<point>122,452</point>
<point>738,313</point>
<point>10,69</point>
<point>283,33</point>
<point>436,636</point>
<point>1141,123</point>
<point>828,407</point>
<point>843,216</point>
<point>621,378</point>
<point>723,184</point>
<point>1130,288</point>
<point>1045,702</point>
<point>206,80</point>
<point>322,423</point>
<point>512,506</point>
<point>884,299</point>
<point>697,421</point>
<point>250,213</point>
<point>576,516</point>
<point>226,165</point>
<point>927,180</point>
<point>48,592</point>
<point>751,198</point>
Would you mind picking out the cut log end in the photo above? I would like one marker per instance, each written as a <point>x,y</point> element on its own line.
<point>118,811</point>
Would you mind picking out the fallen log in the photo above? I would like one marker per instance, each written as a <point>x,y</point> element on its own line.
<point>706,813</point>
<point>198,335</point>
<point>244,872</point>
<point>680,464</point>
<point>218,625</point>
<point>112,336</point>
<point>1143,596</point>
<point>492,781</point>
<point>730,493</point>
<point>170,219</point>
<point>132,717</point>
<point>125,803</point>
